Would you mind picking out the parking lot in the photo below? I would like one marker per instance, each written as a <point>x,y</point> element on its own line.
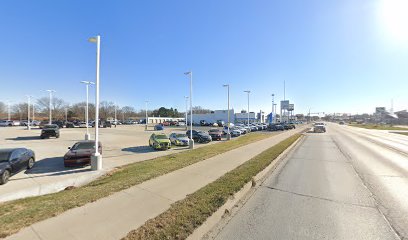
<point>122,145</point>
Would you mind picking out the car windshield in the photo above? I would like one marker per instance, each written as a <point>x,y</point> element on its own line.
<point>4,156</point>
<point>50,126</point>
<point>84,145</point>
<point>161,136</point>
<point>181,135</point>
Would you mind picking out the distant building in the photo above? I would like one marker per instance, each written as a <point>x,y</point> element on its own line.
<point>213,117</point>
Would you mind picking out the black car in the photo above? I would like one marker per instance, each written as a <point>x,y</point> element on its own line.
<point>275,127</point>
<point>50,130</point>
<point>200,137</point>
<point>14,160</point>
<point>69,125</point>
<point>60,124</point>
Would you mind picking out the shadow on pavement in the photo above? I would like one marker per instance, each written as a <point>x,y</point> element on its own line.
<point>139,149</point>
<point>53,167</point>
<point>24,138</point>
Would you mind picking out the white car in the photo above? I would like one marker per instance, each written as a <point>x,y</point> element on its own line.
<point>6,123</point>
<point>82,125</point>
<point>179,139</point>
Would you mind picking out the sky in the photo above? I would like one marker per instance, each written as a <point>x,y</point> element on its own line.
<point>346,56</point>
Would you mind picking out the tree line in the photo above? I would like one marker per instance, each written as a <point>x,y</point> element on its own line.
<point>61,110</point>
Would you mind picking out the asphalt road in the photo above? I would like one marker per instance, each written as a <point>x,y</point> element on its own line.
<point>347,183</point>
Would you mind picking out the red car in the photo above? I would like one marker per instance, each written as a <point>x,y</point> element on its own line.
<point>80,153</point>
<point>215,134</point>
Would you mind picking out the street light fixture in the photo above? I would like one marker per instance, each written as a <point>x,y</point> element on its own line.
<point>146,115</point>
<point>191,141</point>
<point>228,133</point>
<point>96,159</point>
<point>50,104</point>
<point>247,91</point>
<point>87,83</point>
<point>273,103</point>
<point>186,97</point>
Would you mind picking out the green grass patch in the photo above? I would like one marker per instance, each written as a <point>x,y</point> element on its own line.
<point>186,215</point>
<point>378,127</point>
<point>402,133</point>
<point>17,214</point>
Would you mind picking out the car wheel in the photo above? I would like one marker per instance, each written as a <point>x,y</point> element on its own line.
<point>57,136</point>
<point>30,163</point>
<point>5,177</point>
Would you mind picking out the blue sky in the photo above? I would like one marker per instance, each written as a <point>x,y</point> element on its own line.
<point>335,56</point>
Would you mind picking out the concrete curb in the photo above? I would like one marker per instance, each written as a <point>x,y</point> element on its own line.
<point>42,189</point>
<point>205,230</point>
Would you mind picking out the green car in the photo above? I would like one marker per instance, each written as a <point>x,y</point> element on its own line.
<point>159,141</point>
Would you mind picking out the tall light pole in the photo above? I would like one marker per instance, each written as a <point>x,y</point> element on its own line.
<point>186,98</point>
<point>228,133</point>
<point>273,103</point>
<point>116,119</point>
<point>191,141</point>
<point>247,91</point>
<point>146,115</point>
<point>33,113</point>
<point>274,110</point>
<point>66,115</point>
<point>50,105</point>
<point>96,159</point>
<point>28,112</point>
<point>87,83</point>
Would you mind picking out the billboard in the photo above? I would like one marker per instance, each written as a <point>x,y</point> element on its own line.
<point>284,105</point>
<point>291,107</point>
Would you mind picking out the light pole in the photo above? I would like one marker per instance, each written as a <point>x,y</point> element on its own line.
<point>146,115</point>
<point>50,105</point>
<point>66,115</point>
<point>87,83</point>
<point>274,110</point>
<point>116,119</point>
<point>247,91</point>
<point>33,112</point>
<point>273,103</point>
<point>186,97</point>
<point>191,141</point>
<point>28,112</point>
<point>228,133</point>
<point>96,159</point>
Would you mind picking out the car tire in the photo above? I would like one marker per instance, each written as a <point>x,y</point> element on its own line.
<point>4,177</point>
<point>57,136</point>
<point>30,163</point>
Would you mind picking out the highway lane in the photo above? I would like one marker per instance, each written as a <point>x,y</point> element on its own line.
<point>342,184</point>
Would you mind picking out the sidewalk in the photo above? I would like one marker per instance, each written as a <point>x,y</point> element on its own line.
<point>114,216</point>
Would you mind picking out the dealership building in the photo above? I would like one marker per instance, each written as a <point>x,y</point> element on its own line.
<point>222,115</point>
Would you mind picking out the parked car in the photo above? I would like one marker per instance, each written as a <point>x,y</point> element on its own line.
<point>6,123</point>
<point>80,153</point>
<point>341,122</point>
<point>233,131</point>
<point>50,130</point>
<point>159,141</point>
<point>158,127</point>
<point>215,134</point>
<point>14,160</point>
<point>179,139</point>
<point>199,136</point>
<point>82,124</point>
<point>69,125</point>
<point>276,127</point>
<point>181,123</point>
<point>220,123</point>
<point>59,123</point>
<point>205,123</point>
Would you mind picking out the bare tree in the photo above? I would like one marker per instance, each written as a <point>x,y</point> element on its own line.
<point>58,106</point>
<point>199,110</point>
<point>3,110</point>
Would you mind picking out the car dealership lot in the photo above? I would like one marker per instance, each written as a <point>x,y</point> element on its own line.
<point>122,145</point>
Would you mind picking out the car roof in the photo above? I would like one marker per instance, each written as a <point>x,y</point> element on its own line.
<point>10,149</point>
